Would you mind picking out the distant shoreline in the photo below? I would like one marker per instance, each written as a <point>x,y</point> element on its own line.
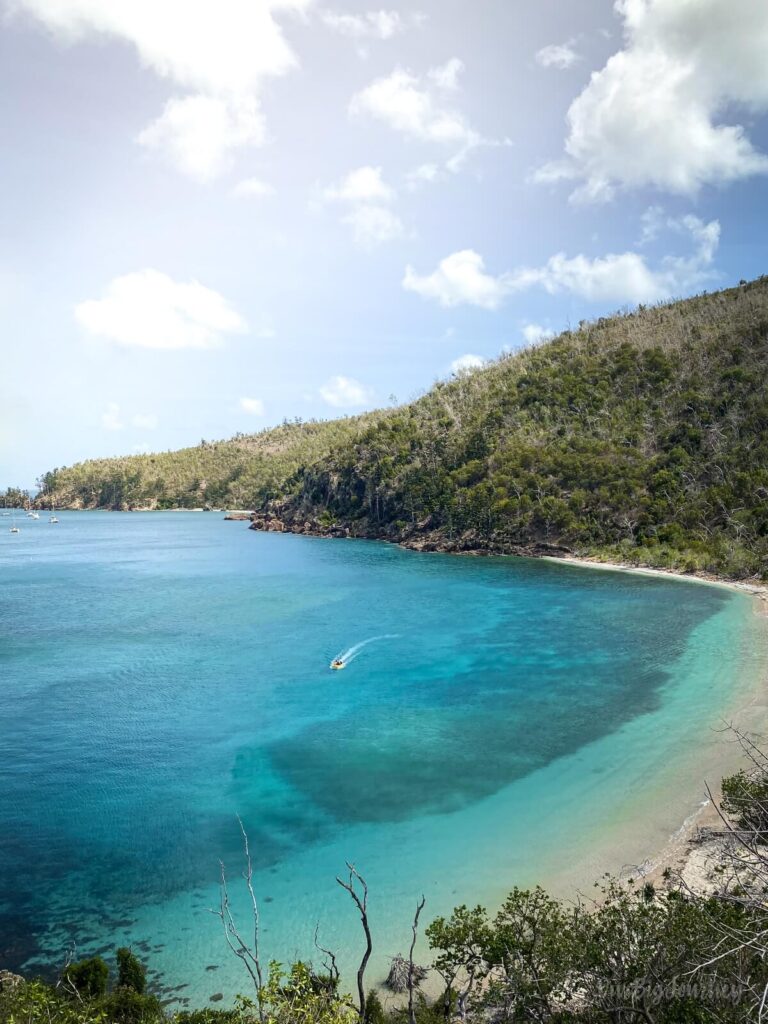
<point>759,590</point>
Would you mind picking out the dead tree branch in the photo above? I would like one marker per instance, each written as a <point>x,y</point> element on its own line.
<point>414,929</point>
<point>248,955</point>
<point>361,902</point>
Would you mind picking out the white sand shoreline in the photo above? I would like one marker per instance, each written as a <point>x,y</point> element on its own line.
<point>759,590</point>
<point>692,862</point>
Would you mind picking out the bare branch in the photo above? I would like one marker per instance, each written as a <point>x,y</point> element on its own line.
<point>361,902</point>
<point>414,929</point>
<point>247,955</point>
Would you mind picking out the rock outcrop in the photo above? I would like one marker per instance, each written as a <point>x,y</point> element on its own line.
<point>423,536</point>
<point>9,981</point>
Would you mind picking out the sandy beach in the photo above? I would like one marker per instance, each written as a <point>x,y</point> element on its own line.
<point>685,855</point>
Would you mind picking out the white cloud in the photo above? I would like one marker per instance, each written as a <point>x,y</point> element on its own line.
<point>363,185</point>
<point>374,225</point>
<point>407,103</point>
<point>219,53</point>
<point>558,55</point>
<point>466,363</point>
<point>253,188</point>
<point>617,277</point>
<point>534,333</point>
<point>415,106</point>
<point>653,222</point>
<point>345,393</point>
<point>424,174</point>
<point>227,47</point>
<point>110,418</point>
<point>146,421</point>
<point>653,114</point>
<point>148,309</point>
<point>627,277</point>
<point>446,76</point>
<point>461,279</point>
<point>253,406</point>
<point>370,25</point>
<point>198,134</point>
<point>368,195</point>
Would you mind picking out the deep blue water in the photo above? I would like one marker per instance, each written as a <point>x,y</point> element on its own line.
<point>162,673</point>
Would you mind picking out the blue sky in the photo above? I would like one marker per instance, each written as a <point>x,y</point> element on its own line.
<point>219,214</point>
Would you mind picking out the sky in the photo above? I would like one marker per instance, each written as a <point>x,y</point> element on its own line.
<point>218,214</point>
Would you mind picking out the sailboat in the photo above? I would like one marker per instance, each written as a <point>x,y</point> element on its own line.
<point>52,518</point>
<point>14,528</point>
<point>31,514</point>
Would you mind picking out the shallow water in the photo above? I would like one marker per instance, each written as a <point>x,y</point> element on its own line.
<point>162,673</point>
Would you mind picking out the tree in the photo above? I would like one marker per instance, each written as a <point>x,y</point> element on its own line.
<point>131,973</point>
<point>89,978</point>
<point>461,941</point>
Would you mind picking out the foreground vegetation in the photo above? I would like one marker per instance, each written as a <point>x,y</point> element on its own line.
<point>635,953</point>
<point>642,437</point>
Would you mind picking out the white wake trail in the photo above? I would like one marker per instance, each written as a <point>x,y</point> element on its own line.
<point>347,656</point>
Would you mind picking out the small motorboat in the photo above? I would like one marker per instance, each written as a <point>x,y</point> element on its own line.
<point>338,664</point>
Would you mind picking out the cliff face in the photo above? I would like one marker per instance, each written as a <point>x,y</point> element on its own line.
<point>424,536</point>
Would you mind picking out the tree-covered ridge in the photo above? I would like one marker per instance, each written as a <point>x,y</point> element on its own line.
<point>644,434</point>
<point>641,436</point>
<point>244,472</point>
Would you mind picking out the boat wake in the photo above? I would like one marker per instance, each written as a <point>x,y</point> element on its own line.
<point>345,657</point>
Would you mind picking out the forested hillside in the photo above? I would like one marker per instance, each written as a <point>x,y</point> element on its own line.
<point>643,436</point>
<point>244,472</point>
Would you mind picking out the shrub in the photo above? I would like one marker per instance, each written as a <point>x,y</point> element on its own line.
<point>89,977</point>
<point>131,973</point>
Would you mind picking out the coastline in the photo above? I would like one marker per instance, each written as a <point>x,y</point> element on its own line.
<point>758,590</point>
<point>692,853</point>
<point>638,827</point>
<point>679,851</point>
<point>676,850</point>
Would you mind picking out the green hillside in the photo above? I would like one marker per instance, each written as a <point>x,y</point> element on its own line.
<point>642,436</point>
<point>244,472</point>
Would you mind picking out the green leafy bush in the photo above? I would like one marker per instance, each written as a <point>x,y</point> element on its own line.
<point>88,977</point>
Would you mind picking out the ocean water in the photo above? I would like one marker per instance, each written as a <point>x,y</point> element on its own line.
<point>523,721</point>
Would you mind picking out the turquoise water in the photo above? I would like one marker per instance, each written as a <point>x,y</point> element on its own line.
<point>162,673</point>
